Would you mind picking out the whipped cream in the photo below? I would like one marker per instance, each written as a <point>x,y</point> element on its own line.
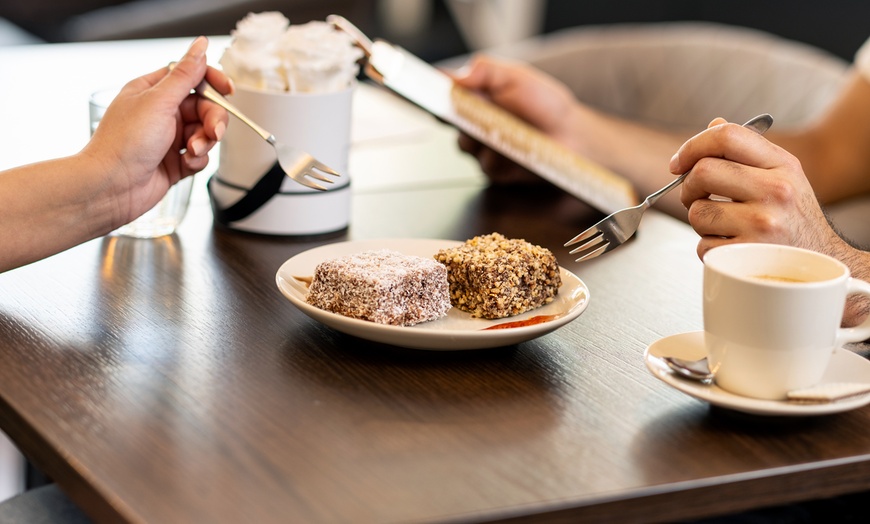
<point>268,53</point>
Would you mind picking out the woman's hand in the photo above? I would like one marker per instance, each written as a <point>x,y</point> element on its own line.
<point>156,132</point>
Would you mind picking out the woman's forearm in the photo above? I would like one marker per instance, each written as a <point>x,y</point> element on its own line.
<point>51,206</point>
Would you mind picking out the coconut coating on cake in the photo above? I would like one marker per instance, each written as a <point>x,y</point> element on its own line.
<point>382,286</point>
<point>492,276</point>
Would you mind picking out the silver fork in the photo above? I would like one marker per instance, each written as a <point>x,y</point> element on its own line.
<point>297,164</point>
<point>614,230</point>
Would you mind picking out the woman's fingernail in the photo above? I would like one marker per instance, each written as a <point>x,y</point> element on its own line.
<point>198,47</point>
<point>197,147</point>
<point>675,162</point>
<point>219,130</point>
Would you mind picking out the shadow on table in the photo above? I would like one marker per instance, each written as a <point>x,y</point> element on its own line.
<point>476,387</point>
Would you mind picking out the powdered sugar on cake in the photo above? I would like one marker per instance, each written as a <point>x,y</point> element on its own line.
<point>382,286</point>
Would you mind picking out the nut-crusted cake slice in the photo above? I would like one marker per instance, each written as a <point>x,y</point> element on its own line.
<point>492,276</point>
<point>382,286</point>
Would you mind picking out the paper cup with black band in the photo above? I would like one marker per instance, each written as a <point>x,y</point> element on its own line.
<point>251,193</point>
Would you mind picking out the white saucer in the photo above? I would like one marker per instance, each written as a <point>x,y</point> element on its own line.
<point>845,366</point>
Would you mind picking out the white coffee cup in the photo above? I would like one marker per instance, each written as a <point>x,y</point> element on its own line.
<point>772,316</point>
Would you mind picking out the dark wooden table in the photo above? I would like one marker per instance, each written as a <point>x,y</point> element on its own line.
<point>169,380</point>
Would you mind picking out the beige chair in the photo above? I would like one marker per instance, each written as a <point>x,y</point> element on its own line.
<point>684,74</point>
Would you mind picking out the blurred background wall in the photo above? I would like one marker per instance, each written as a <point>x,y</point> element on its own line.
<point>432,29</point>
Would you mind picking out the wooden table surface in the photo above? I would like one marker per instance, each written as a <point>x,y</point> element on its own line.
<point>170,381</point>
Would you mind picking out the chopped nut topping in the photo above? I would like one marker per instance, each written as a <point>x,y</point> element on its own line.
<point>492,276</point>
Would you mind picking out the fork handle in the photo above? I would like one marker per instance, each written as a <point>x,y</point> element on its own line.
<point>759,124</point>
<point>650,200</point>
<point>207,91</point>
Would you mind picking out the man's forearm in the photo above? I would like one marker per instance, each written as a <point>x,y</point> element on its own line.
<point>638,152</point>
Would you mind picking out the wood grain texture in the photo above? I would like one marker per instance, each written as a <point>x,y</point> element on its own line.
<point>170,381</point>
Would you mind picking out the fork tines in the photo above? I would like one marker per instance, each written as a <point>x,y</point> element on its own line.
<point>326,169</point>
<point>593,244</point>
<point>317,168</point>
<point>318,171</point>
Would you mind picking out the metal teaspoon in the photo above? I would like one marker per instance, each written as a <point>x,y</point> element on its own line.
<point>694,369</point>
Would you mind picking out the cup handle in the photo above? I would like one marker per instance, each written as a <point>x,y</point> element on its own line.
<point>860,332</point>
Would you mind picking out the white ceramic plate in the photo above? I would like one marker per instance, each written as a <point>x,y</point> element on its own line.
<point>457,330</point>
<point>845,366</point>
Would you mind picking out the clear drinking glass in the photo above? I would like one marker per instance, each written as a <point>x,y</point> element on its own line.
<point>163,218</point>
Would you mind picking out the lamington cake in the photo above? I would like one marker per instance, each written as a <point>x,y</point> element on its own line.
<point>491,276</point>
<point>382,286</point>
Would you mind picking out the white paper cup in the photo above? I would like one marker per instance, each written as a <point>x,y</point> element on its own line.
<point>317,123</point>
<point>772,316</point>
<point>163,218</point>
